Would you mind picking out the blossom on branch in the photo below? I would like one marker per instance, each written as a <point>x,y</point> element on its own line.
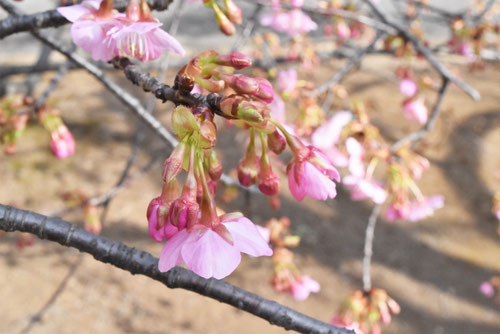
<point>104,33</point>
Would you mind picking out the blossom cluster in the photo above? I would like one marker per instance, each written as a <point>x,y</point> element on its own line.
<point>286,276</point>
<point>15,112</point>
<point>365,311</point>
<point>104,33</point>
<point>209,243</point>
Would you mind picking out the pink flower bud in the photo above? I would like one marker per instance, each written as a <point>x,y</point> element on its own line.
<point>276,142</point>
<point>268,180</point>
<point>236,60</point>
<point>408,87</point>
<point>416,110</point>
<point>62,142</point>
<point>265,91</point>
<point>214,166</point>
<point>487,289</point>
<point>173,165</point>
<point>233,11</point>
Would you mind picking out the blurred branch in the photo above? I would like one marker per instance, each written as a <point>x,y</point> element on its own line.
<point>139,262</point>
<point>54,82</point>
<point>35,319</point>
<point>353,61</point>
<point>368,249</point>
<point>420,47</point>
<point>52,18</point>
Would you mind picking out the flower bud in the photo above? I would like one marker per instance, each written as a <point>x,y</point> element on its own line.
<point>268,180</point>
<point>183,122</point>
<point>248,112</point>
<point>92,223</point>
<point>133,11</point>
<point>242,84</point>
<point>62,143</point>
<point>276,142</point>
<point>248,168</point>
<point>225,24</point>
<point>208,134</point>
<point>173,164</point>
<point>233,11</point>
<point>214,166</point>
<point>236,60</point>
<point>265,91</point>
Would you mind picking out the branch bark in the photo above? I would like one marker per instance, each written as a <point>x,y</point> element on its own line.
<point>139,262</point>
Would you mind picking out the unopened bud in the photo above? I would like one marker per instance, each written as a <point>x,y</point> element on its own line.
<point>214,166</point>
<point>235,59</point>
<point>276,142</point>
<point>265,91</point>
<point>248,112</point>
<point>133,11</point>
<point>173,164</point>
<point>208,134</point>
<point>233,11</point>
<point>225,24</point>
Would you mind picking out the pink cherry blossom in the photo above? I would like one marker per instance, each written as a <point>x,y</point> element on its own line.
<point>408,87</point>
<point>106,34</point>
<point>425,208</point>
<point>354,326</point>
<point>310,173</point>
<point>416,110</point>
<point>487,289</point>
<point>208,254</point>
<point>293,22</point>
<point>142,40</point>
<point>359,184</point>
<point>62,143</point>
<point>287,80</point>
<point>356,153</point>
<point>415,210</point>
<point>327,136</point>
<point>303,286</point>
<point>361,188</point>
<point>278,109</point>
<point>90,28</point>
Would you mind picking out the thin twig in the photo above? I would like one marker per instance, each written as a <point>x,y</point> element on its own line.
<point>249,28</point>
<point>139,262</point>
<point>54,82</point>
<point>35,319</point>
<point>368,249</point>
<point>354,61</point>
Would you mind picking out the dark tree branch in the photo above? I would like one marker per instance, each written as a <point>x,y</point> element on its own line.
<point>139,262</point>
<point>426,52</point>
<point>52,18</point>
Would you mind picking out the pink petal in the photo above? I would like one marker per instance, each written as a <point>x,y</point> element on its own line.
<point>328,134</point>
<point>408,87</point>
<point>247,237</point>
<point>210,255</point>
<point>297,191</point>
<point>73,13</point>
<point>316,184</point>
<point>171,253</point>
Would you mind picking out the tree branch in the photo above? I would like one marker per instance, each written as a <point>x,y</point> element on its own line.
<point>52,18</point>
<point>139,262</point>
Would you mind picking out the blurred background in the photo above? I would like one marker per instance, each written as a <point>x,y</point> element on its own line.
<point>432,268</point>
